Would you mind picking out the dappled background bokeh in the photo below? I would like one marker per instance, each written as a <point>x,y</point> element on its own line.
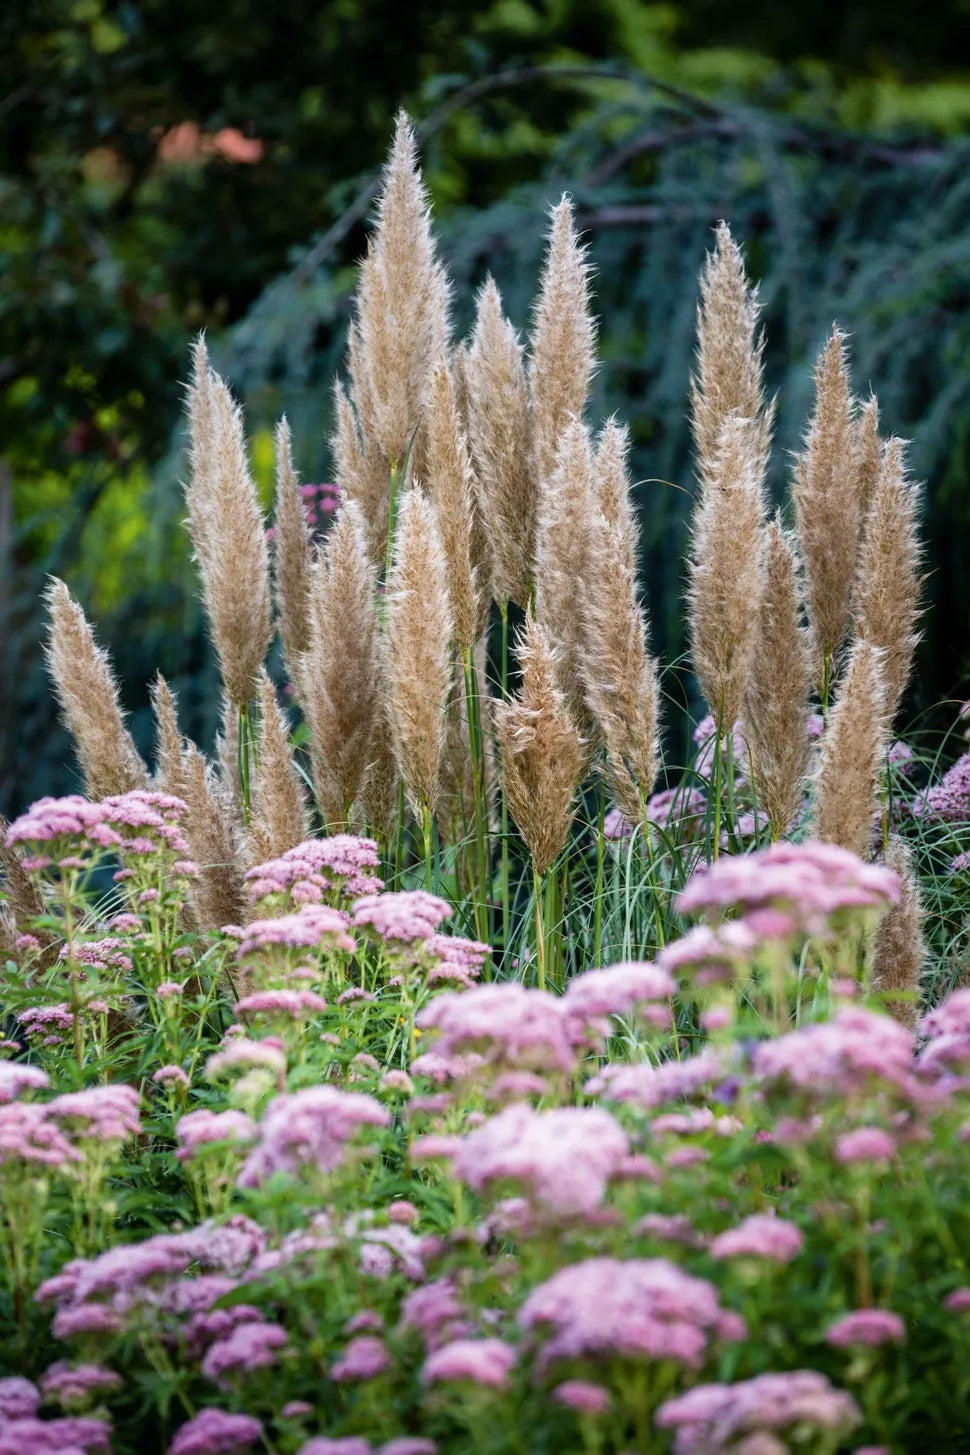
<point>171,165</point>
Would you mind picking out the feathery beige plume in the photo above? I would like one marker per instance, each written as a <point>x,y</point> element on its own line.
<point>400,330</point>
<point>562,560</point>
<point>292,554</point>
<point>622,688</point>
<point>88,696</point>
<point>340,671</point>
<point>563,341</point>
<point>228,533</point>
<point>217,893</point>
<point>480,550</point>
<point>729,354</point>
<point>853,747</point>
<point>887,593</point>
<point>168,739</point>
<point>279,820</point>
<point>417,664</point>
<point>725,571</point>
<point>450,484</point>
<point>866,453</point>
<point>827,507</point>
<point>899,950</point>
<point>379,790</point>
<point>361,473</point>
<point>775,709</point>
<point>540,751</point>
<point>499,433</point>
<point>24,902</point>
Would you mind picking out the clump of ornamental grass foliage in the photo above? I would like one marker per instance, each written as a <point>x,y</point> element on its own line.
<point>451,1075</point>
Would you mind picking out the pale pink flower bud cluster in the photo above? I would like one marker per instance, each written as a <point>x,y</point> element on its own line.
<point>636,1307</point>
<point>239,1053</point>
<point>866,1328</point>
<point>296,1005</point>
<point>400,919</point>
<point>844,1057</point>
<point>77,1385</point>
<point>16,1079</point>
<point>203,1128</point>
<point>215,1432</point>
<point>511,1026</point>
<point>309,1129</point>
<point>306,874</point>
<point>364,1358</point>
<point>170,1077</point>
<point>949,800</point>
<point>30,1137</point>
<point>481,1361</point>
<point>315,927</point>
<point>713,1419</point>
<point>632,987</point>
<point>563,1157</point>
<point>760,1236</point>
<point>101,1113</point>
<point>651,1086</point>
<point>251,1345</point>
<point>790,890</point>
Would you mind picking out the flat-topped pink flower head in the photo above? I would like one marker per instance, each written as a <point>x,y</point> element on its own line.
<point>314,927</point>
<point>510,1025</point>
<point>309,1129</point>
<point>563,1158</point>
<point>635,1307</point>
<point>401,918</point>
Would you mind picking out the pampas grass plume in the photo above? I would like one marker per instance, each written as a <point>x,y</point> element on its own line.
<point>562,559</point>
<point>88,696</point>
<point>339,672</point>
<point>853,748</point>
<point>728,378</point>
<point>563,340</point>
<point>725,570</point>
<point>168,739</point>
<point>887,592</point>
<point>622,687</point>
<point>228,533</point>
<point>827,506</point>
<point>279,820</point>
<point>292,554</point>
<point>499,433</point>
<point>217,893</point>
<point>776,705</point>
<point>450,483</point>
<point>899,950</point>
<point>541,752</point>
<point>417,663</point>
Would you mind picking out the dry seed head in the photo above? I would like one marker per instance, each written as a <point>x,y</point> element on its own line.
<point>541,752</point>
<point>279,820</point>
<point>480,549</point>
<point>613,492</point>
<point>563,340</point>
<point>291,553</point>
<point>827,503</point>
<point>379,790</point>
<point>24,902</point>
<point>866,453</point>
<point>228,533</point>
<point>417,663</point>
<point>899,950</point>
<point>562,559</point>
<point>168,739</point>
<point>499,433</point>
<point>887,591</point>
<point>209,828</point>
<point>401,324</point>
<point>730,346</point>
<point>88,696</point>
<point>450,484</point>
<point>622,687</point>
<point>340,670</point>
<point>776,704</point>
<point>853,748</point>
<point>725,569</point>
<point>361,473</point>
